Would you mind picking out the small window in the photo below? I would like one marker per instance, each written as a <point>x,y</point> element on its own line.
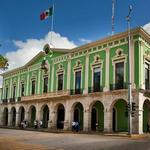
<point>6,96</point>
<point>96,79</point>
<point>77,82</point>
<point>45,89</point>
<point>22,89</point>
<point>33,87</point>
<point>14,91</point>
<point>60,82</point>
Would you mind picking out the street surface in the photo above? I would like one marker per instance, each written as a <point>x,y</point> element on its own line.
<point>31,140</point>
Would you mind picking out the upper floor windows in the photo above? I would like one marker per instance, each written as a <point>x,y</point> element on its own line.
<point>6,94</point>
<point>96,79</point>
<point>147,76</point>
<point>22,89</point>
<point>77,82</point>
<point>45,86</point>
<point>60,82</point>
<point>33,87</point>
<point>119,75</point>
<point>14,91</point>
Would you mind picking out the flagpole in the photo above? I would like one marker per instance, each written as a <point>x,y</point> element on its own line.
<point>52,27</point>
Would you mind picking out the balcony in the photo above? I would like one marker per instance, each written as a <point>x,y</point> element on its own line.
<point>76,91</point>
<point>95,89</point>
<point>118,86</point>
<point>5,101</point>
<point>50,95</point>
<point>12,100</point>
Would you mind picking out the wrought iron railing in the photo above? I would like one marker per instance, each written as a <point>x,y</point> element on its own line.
<point>4,101</point>
<point>118,86</point>
<point>95,89</point>
<point>76,91</point>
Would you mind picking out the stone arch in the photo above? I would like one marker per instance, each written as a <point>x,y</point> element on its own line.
<point>21,114</point>
<point>32,115</point>
<point>97,115</point>
<point>119,119</point>
<point>44,115</point>
<point>146,115</point>
<point>77,111</point>
<point>5,116</point>
<point>13,116</point>
<point>60,111</point>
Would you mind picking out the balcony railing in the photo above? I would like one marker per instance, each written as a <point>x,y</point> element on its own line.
<point>147,86</point>
<point>5,101</point>
<point>12,100</point>
<point>46,95</point>
<point>95,89</point>
<point>118,86</point>
<point>76,91</point>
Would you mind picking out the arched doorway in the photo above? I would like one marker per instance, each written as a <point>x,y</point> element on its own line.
<point>45,116</point>
<point>5,117</point>
<point>60,116</point>
<point>32,115</point>
<point>119,119</point>
<point>78,114</point>
<point>146,116</point>
<point>21,114</point>
<point>13,116</point>
<point>97,117</point>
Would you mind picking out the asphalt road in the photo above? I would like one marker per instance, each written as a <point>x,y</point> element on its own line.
<point>31,140</point>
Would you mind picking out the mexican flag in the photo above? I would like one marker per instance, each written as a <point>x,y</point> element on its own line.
<point>44,15</point>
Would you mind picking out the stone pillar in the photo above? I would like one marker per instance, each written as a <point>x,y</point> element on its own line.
<point>52,120</point>
<point>86,73</point>
<point>107,120</point>
<point>9,118</point>
<point>87,120</point>
<point>106,88</point>
<point>38,113</point>
<point>1,117</point>
<point>17,119</point>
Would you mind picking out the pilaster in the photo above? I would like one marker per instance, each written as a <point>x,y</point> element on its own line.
<point>39,80</point>
<point>86,73</point>
<point>68,73</point>
<point>27,85</point>
<point>107,120</point>
<point>52,78</point>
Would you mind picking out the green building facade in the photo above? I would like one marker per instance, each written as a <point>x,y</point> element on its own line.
<point>87,84</point>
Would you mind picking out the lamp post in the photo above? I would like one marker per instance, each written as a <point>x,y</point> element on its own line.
<point>128,18</point>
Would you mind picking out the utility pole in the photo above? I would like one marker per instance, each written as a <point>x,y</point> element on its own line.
<point>128,19</point>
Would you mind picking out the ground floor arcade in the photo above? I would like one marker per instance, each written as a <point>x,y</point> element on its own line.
<point>102,112</point>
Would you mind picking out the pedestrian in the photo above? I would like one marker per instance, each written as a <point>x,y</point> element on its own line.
<point>35,124</point>
<point>77,126</point>
<point>73,125</point>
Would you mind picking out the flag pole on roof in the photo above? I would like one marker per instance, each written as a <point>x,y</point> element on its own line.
<point>46,14</point>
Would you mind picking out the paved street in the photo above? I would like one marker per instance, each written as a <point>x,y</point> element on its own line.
<point>30,140</point>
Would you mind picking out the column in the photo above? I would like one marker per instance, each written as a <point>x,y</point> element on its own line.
<point>18,87</point>
<point>39,79</point>
<point>52,78</point>
<point>52,120</point>
<point>86,73</point>
<point>107,120</point>
<point>68,73</point>
<point>10,88</point>
<point>27,85</point>
<point>17,118</point>
<point>1,117</point>
<point>132,64</point>
<point>87,120</point>
<point>9,118</point>
<point>67,124</point>
<point>106,88</point>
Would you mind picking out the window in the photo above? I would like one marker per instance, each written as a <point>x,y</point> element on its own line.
<point>22,89</point>
<point>14,91</point>
<point>45,89</point>
<point>60,82</point>
<point>33,87</point>
<point>6,96</point>
<point>96,79</point>
<point>147,79</point>
<point>77,82</point>
<point>119,75</point>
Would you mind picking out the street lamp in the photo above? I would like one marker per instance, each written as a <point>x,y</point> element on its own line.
<point>128,18</point>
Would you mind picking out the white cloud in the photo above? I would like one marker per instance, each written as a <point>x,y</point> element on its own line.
<point>147,27</point>
<point>26,50</point>
<point>83,40</point>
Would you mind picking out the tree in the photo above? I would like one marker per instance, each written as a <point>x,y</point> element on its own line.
<point>3,62</point>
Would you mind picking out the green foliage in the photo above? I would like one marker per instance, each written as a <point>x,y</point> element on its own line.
<point>3,62</point>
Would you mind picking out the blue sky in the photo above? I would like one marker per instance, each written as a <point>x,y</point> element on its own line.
<point>78,20</point>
